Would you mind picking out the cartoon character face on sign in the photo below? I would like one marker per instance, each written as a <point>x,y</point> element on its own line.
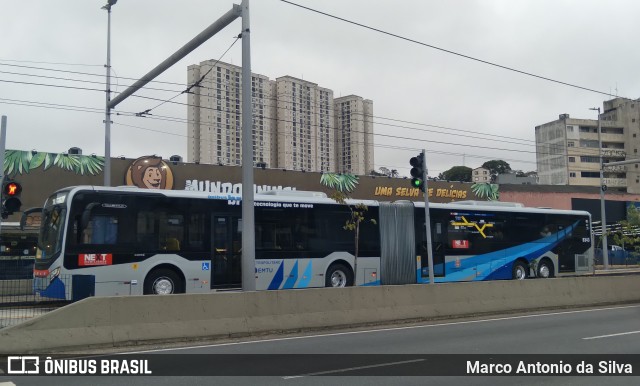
<point>151,177</point>
<point>150,172</point>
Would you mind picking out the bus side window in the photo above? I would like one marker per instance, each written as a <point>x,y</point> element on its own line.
<point>101,230</point>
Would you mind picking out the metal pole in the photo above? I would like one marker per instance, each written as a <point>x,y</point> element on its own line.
<point>603,216</point>
<point>427,218</point>
<point>3,144</point>
<point>183,51</point>
<point>248,220</point>
<point>107,109</point>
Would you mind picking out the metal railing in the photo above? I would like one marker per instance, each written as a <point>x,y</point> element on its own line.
<point>23,298</point>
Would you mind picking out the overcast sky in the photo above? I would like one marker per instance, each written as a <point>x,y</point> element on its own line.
<point>587,43</point>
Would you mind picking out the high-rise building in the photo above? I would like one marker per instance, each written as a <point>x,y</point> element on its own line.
<point>568,150</point>
<point>215,115</point>
<point>305,133</point>
<point>294,128</point>
<point>354,131</point>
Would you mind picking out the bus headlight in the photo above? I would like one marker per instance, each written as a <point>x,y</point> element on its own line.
<point>55,273</point>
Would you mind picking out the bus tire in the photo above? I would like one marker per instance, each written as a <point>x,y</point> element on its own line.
<point>338,276</point>
<point>520,270</point>
<point>163,281</point>
<point>545,269</point>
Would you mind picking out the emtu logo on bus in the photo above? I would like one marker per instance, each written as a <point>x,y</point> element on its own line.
<point>473,224</point>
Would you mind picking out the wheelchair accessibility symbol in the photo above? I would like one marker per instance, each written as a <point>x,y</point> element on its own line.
<point>205,266</point>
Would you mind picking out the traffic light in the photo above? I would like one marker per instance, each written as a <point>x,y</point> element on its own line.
<point>11,198</point>
<point>417,171</point>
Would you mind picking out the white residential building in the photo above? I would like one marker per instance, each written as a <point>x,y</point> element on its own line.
<point>568,150</point>
<point>479,175</point>
<point>295,126</point>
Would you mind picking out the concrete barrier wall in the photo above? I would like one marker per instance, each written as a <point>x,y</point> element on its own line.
<point>16,287</point>
<point>116,321</point>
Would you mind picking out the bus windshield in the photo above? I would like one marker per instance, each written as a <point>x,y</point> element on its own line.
<point>51,231</point>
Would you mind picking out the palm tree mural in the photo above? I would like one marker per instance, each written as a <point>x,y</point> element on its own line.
<point>345,183</point>
<point>22,162</point>
<point>486,190</point>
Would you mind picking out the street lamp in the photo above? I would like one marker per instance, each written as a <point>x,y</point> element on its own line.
<point>603,187</point>
<point>107,109</point>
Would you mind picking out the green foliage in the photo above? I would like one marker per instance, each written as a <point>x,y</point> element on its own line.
<point>385,172</point>
<point>626,233</point>
<point>340,182</point>
<point>22,162</point>
<point>497,167</point>
<point>633,215</point>
<point>457,173</point>
<point>486,190</point>
<point>357,216</point>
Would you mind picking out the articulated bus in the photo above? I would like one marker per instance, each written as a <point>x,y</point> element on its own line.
<point>140,241</point>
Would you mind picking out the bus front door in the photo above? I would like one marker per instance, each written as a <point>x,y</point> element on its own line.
<point>227,244</point>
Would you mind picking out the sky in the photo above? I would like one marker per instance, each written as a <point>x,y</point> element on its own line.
<point>462,111</point>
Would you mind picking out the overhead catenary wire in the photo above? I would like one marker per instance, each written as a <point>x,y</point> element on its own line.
<point>195,84</point>
<point>446,50</point>
<point>181,120</point>
<point>457,130</point>
<point>275,98</point>
<point>378,123</point>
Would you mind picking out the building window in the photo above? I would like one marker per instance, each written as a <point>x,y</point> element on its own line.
<point>572,174</point>
<point>571,144</point>
<point>570,129</point>
<point>572,159</point>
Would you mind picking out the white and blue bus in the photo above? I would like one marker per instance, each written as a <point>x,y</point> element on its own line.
<point>140,241</point>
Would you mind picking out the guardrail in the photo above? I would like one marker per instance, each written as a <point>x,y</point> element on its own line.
<point>132,320</point>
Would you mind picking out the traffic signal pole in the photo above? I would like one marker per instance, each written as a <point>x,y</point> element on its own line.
<point>427,217</point>
<point>3,144</point>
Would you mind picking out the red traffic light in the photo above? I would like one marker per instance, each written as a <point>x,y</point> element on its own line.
<point>12,189</point>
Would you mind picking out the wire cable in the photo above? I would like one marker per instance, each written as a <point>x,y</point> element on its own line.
<point>447,51</point>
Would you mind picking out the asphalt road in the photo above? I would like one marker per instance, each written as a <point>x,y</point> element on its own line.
<point>602,331</point>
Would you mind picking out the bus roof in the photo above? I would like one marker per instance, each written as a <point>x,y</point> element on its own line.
<point>321,198</point>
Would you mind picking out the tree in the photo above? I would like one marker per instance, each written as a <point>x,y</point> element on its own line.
<point>626,232</point>
<point>385,172</point>
<point>456,173</point>
<point>497,167</point>
<point>358,215</point>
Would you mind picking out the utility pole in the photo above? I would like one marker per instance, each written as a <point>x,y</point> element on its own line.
<point>248,210</point>
<point>603,187</point>
<point>3,144</point>
<point>107,109</point>
<point>427,218</point>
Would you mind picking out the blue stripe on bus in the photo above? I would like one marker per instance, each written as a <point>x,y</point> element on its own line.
<point>479,266</point>
<point>277,278</point>
<point>306,276</point>
<point>55,290</point>
<point>293,277</point>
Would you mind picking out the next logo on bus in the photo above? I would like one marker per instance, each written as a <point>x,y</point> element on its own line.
<point>94,259</point>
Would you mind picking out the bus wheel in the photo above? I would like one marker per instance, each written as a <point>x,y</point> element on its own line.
<point>519,270</point>
<point>338,275</point>
<point>545,269</point>
<point>162,282</point>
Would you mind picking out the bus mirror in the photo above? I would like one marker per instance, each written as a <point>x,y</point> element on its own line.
<point>86,214</point>
<point>31,217</point>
